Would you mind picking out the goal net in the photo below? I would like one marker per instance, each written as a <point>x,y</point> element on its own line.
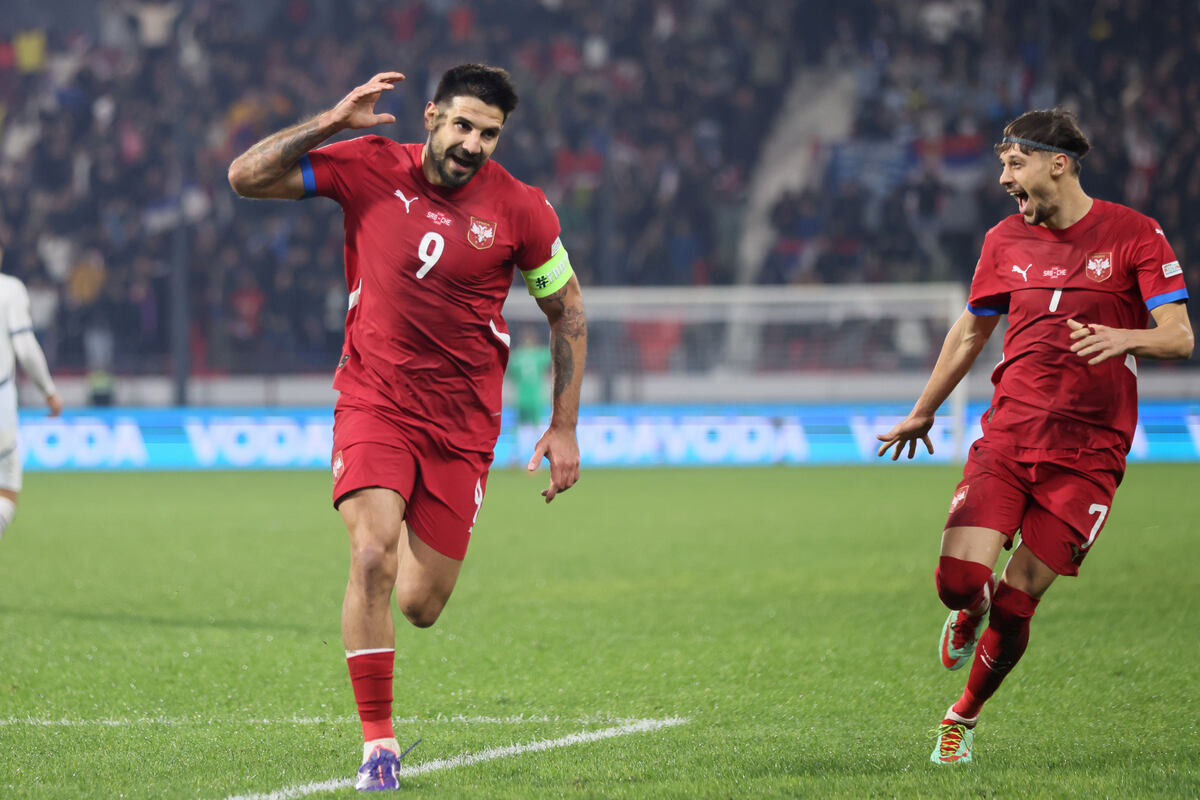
<point>739,345</point>
<point>759,343</point>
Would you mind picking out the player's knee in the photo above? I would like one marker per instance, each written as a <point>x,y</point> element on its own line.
<point>373,564</point>
<point>422,613</point>
<point>960,582</point>
<point>421,607</point>
<point>1011,610</point>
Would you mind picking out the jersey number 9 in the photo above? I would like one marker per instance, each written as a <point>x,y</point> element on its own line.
<point>429,251</point>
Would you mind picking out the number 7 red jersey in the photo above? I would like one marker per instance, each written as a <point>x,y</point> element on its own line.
<point>428,269</point>
<point>1111,268</point>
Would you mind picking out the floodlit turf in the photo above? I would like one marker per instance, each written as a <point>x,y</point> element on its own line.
<point>176,635</point>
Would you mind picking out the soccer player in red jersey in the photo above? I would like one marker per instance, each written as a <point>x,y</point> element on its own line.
<point>1078,278</point>
<point>433,233</point>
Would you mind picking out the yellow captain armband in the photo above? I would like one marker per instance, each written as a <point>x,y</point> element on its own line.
<point>547,279</point>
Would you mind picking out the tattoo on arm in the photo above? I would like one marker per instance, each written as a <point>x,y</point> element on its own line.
<point>573,323</point>
<point>568,332</point>
<point>269,160</point>
<point>553,305</point>
<point>564,364</point>
<point>571,317</point>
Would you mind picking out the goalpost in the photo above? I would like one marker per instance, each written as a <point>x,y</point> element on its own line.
<point>741,345</point>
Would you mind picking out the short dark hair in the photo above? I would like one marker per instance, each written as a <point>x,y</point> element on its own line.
<point>492,85</point>
<point>1056,128</point>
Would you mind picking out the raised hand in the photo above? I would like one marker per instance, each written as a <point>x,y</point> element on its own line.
<point>357,109</point>
<point>269,168</point>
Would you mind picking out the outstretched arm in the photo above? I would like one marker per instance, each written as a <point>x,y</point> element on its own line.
<point>963,343</point>
<point>33,361</point>
<point>568,349</point>
<point>19,325</point>
<point>270,168</point>
<point>1171,337</point>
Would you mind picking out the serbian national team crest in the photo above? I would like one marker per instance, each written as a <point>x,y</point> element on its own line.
<point>1099,266</point>
<point>960,496</point>
<point>482,234</point>
<point>339,466</point>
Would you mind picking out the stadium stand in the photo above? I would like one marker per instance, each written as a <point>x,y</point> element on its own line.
<point>645,123</point>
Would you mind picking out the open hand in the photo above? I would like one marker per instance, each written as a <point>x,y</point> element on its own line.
<point>909,431</point>
<point>357,109</point>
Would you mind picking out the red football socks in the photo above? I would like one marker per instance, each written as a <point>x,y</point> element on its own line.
<point>371,677</point>
<point>960,584</point>
<point>999,649</point>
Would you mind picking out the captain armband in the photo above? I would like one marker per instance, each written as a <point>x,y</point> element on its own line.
<point>547,279</point>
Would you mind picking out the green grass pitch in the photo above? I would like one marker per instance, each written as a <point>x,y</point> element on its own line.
<point>176,635</point>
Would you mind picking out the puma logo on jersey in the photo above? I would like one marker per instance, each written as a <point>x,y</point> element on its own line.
<point>408,201</point>
<point>1024,272</point>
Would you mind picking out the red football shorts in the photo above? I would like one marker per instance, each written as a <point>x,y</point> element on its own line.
<point>1058,503</point>
<point>442,489</point>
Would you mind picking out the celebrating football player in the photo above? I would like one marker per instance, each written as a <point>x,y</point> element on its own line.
<point>433,232</point>
<point>1078,278</point>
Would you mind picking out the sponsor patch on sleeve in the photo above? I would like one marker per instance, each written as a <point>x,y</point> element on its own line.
<point>1172,269</point>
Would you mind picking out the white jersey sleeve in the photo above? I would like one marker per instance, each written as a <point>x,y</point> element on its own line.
<point>20,344</point>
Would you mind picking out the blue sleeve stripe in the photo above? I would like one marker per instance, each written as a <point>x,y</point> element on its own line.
<point>1169,297</point>
<point>984,311</point>
<point>28,329</point>
<point>310,180</point>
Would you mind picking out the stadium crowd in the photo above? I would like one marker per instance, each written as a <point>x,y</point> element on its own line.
<point>119,122</point>
<point>910,194</point>
<point>642,121</point>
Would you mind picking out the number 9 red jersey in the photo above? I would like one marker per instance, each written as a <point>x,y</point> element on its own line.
<point>428,269</point>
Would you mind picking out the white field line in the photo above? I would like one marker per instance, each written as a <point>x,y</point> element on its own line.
<point>636,726</point>
<point>440,719</point>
